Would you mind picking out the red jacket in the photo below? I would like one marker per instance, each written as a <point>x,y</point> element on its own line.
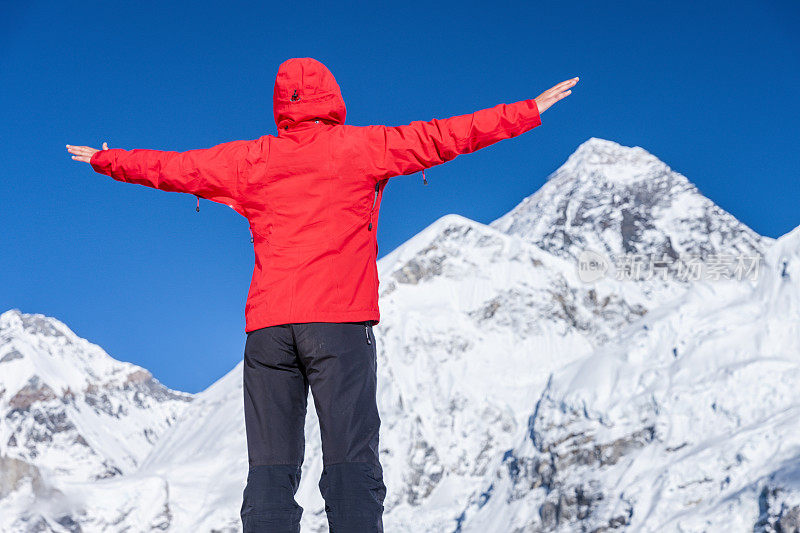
<point>313,193</point>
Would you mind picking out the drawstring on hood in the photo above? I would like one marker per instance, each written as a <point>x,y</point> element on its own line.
<point>305,90</point>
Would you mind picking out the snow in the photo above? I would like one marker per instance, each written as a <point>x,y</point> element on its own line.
<point>723,409</point>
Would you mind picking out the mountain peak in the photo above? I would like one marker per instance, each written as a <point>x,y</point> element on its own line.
<point>34,324</point>
<point>601,160</point>
<point>596,144</point>
<point>10,318</point>
<point>616,200</point>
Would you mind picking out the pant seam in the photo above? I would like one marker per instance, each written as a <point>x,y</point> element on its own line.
<point>348,463</point>
<point>277,464</point>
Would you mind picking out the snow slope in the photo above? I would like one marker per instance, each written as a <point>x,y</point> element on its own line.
<point>688,421</point>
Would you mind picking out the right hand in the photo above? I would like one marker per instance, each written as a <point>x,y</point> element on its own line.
<point>83,153</point>
<point>554,94</point>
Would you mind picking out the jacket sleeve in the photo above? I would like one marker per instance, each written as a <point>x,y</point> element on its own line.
<point>400,150</point>
<point>212,173</point>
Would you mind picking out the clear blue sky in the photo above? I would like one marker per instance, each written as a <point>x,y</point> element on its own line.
<point>709,87</point>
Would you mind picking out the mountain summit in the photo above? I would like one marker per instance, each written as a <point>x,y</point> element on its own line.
<point>618,200</point>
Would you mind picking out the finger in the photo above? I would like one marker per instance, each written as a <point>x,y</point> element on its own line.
<point>80,150</point>
<point>105,146</point>
<point>553,91</point>
<point>547,102</point>
<point>561,96</point>
<point>565,85</point>
<point>571,81</point>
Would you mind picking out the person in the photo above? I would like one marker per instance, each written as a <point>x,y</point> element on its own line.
<point>312,195</point>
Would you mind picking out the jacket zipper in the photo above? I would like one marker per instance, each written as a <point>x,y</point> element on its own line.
<point>374,201</point>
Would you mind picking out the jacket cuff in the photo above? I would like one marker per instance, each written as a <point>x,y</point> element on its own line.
<point>102,163</point>
<point>537,118</point>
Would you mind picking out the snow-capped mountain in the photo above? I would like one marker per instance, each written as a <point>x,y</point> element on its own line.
<point>514,396</point>
<point>69,412</point>
<point>619,200</point>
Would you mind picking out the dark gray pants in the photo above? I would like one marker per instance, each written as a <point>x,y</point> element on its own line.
<point>339,362</point>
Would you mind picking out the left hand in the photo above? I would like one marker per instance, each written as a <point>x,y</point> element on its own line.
<point>83,153</point>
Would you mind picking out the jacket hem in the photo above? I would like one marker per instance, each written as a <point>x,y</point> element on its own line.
<point>317,316</point>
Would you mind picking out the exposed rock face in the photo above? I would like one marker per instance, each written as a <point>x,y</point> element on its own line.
<point>776,516</point>
<point>13,472</point>
<point>34,391</point>
<point>10,356</point>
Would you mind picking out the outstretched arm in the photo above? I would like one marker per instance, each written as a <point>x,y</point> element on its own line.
<point>211,173</point>
<point>407,149</point>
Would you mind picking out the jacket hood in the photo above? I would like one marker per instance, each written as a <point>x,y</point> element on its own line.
<point>306,90</point>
